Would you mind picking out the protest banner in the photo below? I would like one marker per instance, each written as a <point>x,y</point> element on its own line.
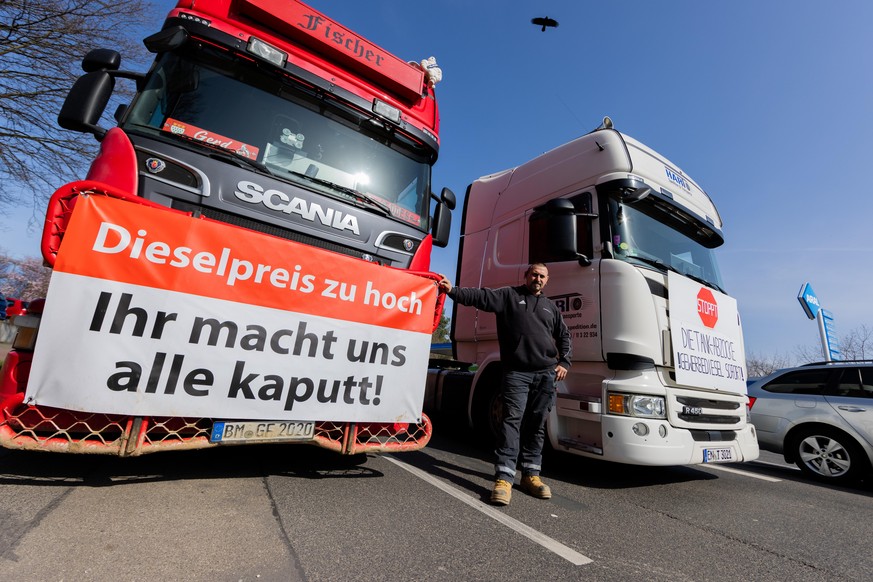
<point>177,316</point>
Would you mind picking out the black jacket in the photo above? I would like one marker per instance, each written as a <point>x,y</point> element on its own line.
<point>530,329</point>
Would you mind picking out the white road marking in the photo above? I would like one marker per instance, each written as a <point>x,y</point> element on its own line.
<point>740,472</point>
<point>780,465</point>
<point>542,539</point>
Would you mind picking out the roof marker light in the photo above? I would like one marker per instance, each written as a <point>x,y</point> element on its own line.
<point>389,112</point>
<point>195,18</point>
<point>269,53</point>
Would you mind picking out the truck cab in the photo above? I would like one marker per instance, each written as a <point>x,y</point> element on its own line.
<point>252,115</point>
<point>263,115</point>
<point>629,239</point>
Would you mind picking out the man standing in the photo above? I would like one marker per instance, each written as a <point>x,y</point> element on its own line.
<point>535,352</point>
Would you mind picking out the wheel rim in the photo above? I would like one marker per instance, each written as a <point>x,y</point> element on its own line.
<point>825,456</point>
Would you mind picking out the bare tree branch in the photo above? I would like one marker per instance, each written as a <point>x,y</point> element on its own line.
<point>758,366</point>
<point>42,43</point>
<point>856,344</point>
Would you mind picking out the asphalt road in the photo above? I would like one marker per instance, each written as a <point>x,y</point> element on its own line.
<point>273,512</point>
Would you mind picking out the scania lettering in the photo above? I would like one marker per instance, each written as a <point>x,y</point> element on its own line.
<point>278,200</point>
<point>658,374</point>
<point>267,116</point>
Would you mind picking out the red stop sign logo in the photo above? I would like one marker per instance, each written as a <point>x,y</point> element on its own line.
<point>707,308</point>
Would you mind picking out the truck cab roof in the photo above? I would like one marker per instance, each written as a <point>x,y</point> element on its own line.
<point>571,167</point>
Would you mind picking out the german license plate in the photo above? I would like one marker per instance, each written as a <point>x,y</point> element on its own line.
<point>718,455</point>
<point>225,431</point>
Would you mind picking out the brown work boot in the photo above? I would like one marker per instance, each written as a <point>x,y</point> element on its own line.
<point>501,493</point>
<point>533,485</point>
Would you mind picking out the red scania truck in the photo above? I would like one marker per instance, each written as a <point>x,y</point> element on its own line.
<point>266,117</point>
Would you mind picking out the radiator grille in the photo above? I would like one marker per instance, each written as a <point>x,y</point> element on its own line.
<point>273,230</point>
<point>711,414</point>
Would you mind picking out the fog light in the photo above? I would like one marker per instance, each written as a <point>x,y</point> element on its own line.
<point>640,429</point>
<point>662,430</point>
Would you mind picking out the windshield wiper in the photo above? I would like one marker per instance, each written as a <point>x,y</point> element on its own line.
<point>351,192</point>
<point>665,267</point>
<point>238,160</point>
<point>654,262</point>
<point>704,282</point>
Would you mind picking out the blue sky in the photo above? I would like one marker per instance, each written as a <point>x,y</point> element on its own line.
<point>767,105</point>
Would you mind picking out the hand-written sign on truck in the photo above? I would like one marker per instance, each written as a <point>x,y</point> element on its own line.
<point>177,321</point>
<point>706,335</point>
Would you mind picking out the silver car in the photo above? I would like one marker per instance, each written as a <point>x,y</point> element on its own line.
<point>819,416</point>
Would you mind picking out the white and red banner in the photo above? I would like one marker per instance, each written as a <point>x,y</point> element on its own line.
<point>707,336</point>
<point>152,313</point>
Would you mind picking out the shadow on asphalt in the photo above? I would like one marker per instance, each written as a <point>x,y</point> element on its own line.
<point>468,466</point>
<point>471,455</point>
<point>302,461</point>
<point>452,437</point>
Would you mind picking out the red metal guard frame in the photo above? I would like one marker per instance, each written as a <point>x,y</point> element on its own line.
<point>23,426</point>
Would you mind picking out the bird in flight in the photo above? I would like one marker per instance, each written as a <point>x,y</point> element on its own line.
<point>544,22</point>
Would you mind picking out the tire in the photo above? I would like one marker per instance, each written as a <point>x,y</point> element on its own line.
<point>827,454</point>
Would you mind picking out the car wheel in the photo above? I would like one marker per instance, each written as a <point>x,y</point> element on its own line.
<point>828,454</point>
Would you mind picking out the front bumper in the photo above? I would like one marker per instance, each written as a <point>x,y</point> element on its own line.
<point>677,446</point>
<point>38,428</point>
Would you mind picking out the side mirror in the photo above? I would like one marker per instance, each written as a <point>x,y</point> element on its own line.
<point>90,93</point>
<point>442,218</point>
<point>553,235</point>
<point>101,60</point>
<point>85,103</point>
<point>448,197</point>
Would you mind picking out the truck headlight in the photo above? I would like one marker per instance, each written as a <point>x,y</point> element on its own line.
<point>640,405</point>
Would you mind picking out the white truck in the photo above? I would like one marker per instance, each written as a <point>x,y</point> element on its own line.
<point>658,375</point>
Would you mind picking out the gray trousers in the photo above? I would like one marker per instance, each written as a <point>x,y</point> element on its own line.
<point>527,399</point>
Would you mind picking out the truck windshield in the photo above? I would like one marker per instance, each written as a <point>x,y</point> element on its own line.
<point>286,128</point>
<point>653,233</point>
